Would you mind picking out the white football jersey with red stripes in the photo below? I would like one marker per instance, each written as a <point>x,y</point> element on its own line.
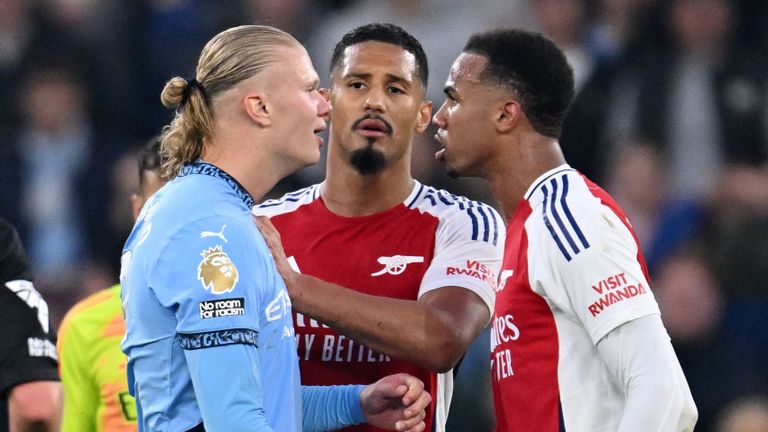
<point>433,239</point>
<point>572,272</point>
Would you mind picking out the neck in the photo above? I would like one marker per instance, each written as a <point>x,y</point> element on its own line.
<point>346,192</point>
<point>257,173</point>
<point>520,162</point>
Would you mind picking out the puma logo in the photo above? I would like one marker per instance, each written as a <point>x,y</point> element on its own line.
<point>219,234</point>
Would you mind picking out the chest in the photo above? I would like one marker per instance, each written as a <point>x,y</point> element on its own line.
<point>385,257</point>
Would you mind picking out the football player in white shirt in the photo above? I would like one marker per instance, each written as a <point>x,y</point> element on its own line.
<point>578,343</point>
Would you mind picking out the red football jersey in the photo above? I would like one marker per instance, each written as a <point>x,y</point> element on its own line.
<point>572,272</point>
<point>432,240</point>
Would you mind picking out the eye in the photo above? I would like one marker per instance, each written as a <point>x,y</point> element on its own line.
<point>357,85</point>
<point>396,90</point>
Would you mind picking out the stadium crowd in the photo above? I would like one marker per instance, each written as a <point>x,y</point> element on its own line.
<point>671,114</point>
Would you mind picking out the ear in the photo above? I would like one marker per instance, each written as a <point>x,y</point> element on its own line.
<point>257,109</point>
<point>509,116</point>
<point>424,116</point>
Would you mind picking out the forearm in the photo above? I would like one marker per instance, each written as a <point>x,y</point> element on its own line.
<point>331,407</point>
<point>641,358</point>
<point>431,334</point>
<point>228,405</point>
<point>35,406</point>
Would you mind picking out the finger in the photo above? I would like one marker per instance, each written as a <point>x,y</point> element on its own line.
<point>415,388</point>
<point>266,225</point>
<point>263,227</point>
<point>415,424</point>
<point>270,234</point>
<point>418,428</point>
<point>418,406</point>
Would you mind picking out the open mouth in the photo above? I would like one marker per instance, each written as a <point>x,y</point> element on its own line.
<point>372,127</point>
<point>440,154</point>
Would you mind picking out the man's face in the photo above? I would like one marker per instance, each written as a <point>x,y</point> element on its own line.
<point>465,121</point>
<point>151,182</point>
<point>377,104</point>
<point>298,107</point>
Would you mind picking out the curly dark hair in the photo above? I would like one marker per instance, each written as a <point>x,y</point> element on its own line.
<point>534,69</point>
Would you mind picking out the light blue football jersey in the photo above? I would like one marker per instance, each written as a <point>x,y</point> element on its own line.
<point>209,326</point>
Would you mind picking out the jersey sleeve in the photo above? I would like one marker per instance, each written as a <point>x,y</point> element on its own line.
<point>81,396</point>
<point>212,276</point>
<point>28,340</point>
<point>468,251</point>
<point>602,283</point>
<point>331,407</point>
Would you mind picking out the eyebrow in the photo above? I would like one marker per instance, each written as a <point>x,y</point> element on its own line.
<point>390,77</point>
<point>450,91</point>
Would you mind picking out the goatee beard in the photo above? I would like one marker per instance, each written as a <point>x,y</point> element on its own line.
<point>368,161</point>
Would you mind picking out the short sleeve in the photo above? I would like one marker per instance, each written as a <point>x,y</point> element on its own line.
<point>468,251</point>
<point>212,275</point>
<point>604,284</point>
<point>28,340</point>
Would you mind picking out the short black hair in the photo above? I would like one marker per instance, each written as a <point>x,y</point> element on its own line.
<point>532,67</point>
<point>387,33</point>
<point>149,158</point>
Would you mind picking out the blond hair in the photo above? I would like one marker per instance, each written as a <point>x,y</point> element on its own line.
<point>231,56</point>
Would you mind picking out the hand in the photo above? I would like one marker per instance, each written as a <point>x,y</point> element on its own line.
<point>396,402</point>
<point>275,245</point>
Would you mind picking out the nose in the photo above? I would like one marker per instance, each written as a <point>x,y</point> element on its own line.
<point>323,106</point>
<point>374,100</point>
<point>439,118</point>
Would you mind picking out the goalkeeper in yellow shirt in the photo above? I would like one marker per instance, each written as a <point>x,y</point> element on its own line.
<point>92,365</point>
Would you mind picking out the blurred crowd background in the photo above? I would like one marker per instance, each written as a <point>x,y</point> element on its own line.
<point>671,117</point>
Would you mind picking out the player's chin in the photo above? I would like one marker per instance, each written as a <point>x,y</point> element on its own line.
<point>454,170</point>
<point>311,157</point>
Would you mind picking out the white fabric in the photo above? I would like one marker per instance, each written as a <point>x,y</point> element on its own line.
<point>640,357</point>
<point>456,240</point>
<point>594,283</point>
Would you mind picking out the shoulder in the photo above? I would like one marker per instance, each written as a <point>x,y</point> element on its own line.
<point>96,309</point>
<point>13,260</point>
<point>458,215</point>
<point>575,214</point>
<point>289,202</point>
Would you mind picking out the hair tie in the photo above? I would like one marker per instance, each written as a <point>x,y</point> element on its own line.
<point>191,85</point>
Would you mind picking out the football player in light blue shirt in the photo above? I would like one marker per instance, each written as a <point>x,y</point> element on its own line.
<point>210,339</point>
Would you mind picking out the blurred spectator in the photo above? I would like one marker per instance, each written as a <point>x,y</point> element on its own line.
<point>603,115</point>
<point>749,414</point>
<point>162,38</point>
<point>704,100</point>
<point>721,357</point>
<point>292,16</point>
<point>636,177</point>
<point>55,145</point>
<point>691,307</point>
<point>564,21</point>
